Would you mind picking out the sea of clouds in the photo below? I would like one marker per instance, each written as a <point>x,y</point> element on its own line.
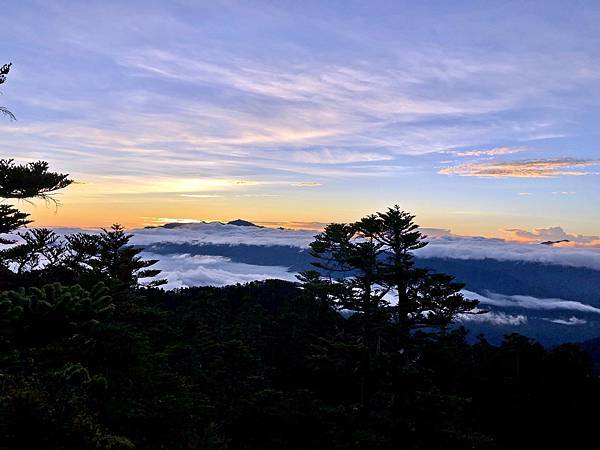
<point>185,270</point>
<point>513,311</point>
<point>442,244</point>
<point>192,268</point>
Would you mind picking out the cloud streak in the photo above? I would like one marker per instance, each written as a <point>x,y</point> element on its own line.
<point>528,302</point>
<point>540,168</point>
<point>569,322</point>
<point>491,152</point>
<point>494,318</point>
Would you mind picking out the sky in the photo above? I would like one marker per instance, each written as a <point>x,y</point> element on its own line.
<point>479,117</point>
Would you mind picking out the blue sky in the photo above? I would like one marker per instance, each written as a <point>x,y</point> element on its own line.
<point>477,116</point>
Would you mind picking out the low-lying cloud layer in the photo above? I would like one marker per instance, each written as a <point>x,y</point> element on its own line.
<point>184,270</point>
<point>528,302</point>
<point>571,321</point>
<point>495,318</point>
<point>218,233</point>
<point>478,248</point>
<point>442,244</point>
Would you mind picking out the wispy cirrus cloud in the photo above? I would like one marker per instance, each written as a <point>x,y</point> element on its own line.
<point>337,156</point>
<point>201,195</point>
<point>306,184</point>
<point>490,152</point>
<point>536,168</point>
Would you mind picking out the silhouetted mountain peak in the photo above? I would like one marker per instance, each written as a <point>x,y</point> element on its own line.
<point>242,223</point>
<point>554,242</point>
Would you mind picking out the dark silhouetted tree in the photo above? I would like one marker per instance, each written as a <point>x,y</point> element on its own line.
<point>368,262</point>
<point>109,257</point>
<point>3,72</point>
<point>23,182</point>
<point>26,182</point>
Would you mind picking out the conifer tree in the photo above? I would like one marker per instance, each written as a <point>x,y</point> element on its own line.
<point>25,182</point>
<point>109,257</point>
<point>3,72</point>
<point>368,261</point>
<point>11,219</point>
<point>105,257</point>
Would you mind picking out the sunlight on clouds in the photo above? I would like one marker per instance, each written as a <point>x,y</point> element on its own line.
<point>200,195</point>
<point>275,135</point>
<point>552,234</point>
<point>148,185</point>
<point>541,168</point>
<point>165,220</point>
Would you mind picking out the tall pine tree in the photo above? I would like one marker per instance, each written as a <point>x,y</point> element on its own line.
<point>369,268</point>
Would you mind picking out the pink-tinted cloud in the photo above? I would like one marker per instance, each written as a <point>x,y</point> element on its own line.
<point>552,234</point>
<point>536,168</point>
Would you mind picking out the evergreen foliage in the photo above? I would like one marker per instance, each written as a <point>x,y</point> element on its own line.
<point>33,180</point>
<point>24,182</point>
<point>4,69</point>
<point>365,263</point>
<point>11,219</point>
<point>40,256</point>
<point>264,366</point>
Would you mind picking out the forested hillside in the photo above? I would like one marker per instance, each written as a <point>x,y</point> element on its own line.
<point>264,366</point>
